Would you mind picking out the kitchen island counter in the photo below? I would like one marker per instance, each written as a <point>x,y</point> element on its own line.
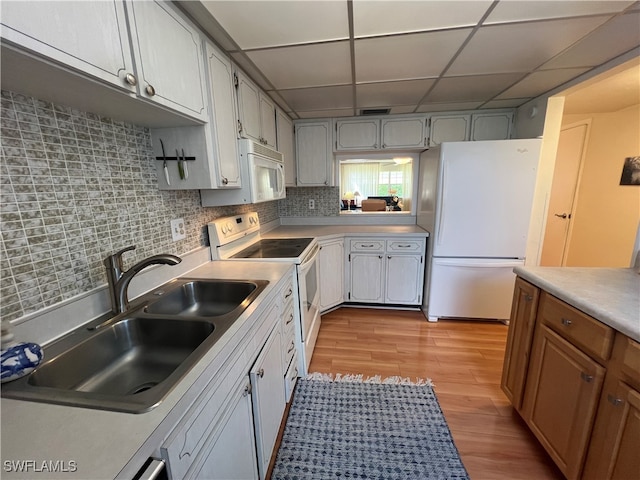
<point>610,295</point>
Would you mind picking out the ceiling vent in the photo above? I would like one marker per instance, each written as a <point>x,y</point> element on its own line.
<point>375,111</point>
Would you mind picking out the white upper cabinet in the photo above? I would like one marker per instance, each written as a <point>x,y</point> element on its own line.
<point>377,133</point>
<point>449,128</point>
<point>491,126</point>
<point>314,156</point>
<point>362,134</point>
<point>285,145</point>
<point>222,118</point>
<point>168,57</point>
<point>88,36</point>
<point>256,112</point>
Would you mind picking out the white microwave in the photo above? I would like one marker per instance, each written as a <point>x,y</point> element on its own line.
<point>262,177</point>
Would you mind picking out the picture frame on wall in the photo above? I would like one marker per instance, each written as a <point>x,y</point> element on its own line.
<point>630,171</point>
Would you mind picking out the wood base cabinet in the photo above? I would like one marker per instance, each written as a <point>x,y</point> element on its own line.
<point>331,263</point>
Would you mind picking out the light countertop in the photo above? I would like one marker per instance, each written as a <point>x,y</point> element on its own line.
<point>102,443</point>
<point>610,295</point>
<point>320,231</point>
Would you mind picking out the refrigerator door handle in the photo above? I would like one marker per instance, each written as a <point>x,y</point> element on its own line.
<point>507,263</point>
<point>441,204</point>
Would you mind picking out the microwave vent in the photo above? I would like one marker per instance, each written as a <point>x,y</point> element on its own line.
<point>375,111</point>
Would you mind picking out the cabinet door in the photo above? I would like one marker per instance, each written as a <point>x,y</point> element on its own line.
<point>232,455</point>
<point>267,121</point>
<point>449,128</point>
<point>404,132</point>
<point>284,132</point>
<point>613,452</point>
<point>168,56</point>
<point>524,308</point>
<point>223,117</point>
<point>88,36</point>
<point>331,263</point>
<point>358,134</point>
<point>248,108</point>
<point>404,279</point>
<point>366,278</point>
<point>268,392</point>
<point>313,153</point>
<point>495,126</point>
<point>561,397</point>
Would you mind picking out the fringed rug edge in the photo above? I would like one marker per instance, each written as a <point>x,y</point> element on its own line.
<point>359,378</point>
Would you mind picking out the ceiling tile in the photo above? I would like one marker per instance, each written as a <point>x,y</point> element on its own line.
<point>411,16</point>
<point>614,38</point>
<point>392,93</point>
<point>315,65</point>
<point>537,10</point>
<point>320,98</point>
<point>508,103</point>
<point>345,112</point>
<point>519,48</point>
<point>470,89</point>
<point>258,24</point>
<point>448,107</point>
<point>540,82</point>
<point>411,56</point>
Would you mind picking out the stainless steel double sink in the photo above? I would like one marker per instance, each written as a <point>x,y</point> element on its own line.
<point>131,361</point>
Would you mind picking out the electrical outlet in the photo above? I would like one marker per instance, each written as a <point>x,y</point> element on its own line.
<point>178,229</point>
<point>312,204</point>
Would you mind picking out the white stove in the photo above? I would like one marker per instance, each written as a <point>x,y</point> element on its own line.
<point>238,238</point>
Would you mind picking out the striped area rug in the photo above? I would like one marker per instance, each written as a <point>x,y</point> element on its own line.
<point>352,428</point>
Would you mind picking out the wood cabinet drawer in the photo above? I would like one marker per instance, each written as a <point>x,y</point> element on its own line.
<point>405,246</point>
<point>630,360</point>
<point>590,335</point>
<point>367,246</point>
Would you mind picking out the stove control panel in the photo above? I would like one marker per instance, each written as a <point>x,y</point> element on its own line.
<point>227,229</point>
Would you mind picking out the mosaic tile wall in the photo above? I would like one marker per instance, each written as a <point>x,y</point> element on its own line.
<point>75,187</point>
<point>327,202</point>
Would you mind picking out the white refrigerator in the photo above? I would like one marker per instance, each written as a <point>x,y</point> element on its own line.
<point>475,200</point>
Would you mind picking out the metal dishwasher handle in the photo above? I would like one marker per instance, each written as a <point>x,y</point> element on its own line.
<point>153,470</point>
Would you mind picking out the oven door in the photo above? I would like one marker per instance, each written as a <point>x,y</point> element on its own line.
<point>309,281</point>
<point>267,179</point>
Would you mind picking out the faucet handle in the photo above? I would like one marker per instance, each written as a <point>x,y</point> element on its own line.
<point>116,258</point>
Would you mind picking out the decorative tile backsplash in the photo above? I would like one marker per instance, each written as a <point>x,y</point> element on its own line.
<point>326,202</point>
<point>75,187</point>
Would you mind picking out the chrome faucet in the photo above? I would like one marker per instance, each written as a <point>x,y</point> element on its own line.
<point>119,279</point>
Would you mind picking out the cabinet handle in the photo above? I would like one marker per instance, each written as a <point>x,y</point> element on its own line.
<point>616,402</point>
<point>130,78</point>
<point>239,127</point>
<point>295,372</point>
<point>292,347</point>
<point>366,246</point>
<point>150,90</point>
<point>261,372</point>
<point>247,390</point>
<point>566,322</point>
<point>380,256</point>
<point>290,319</point>
<point>225,180</point>
<point>375,145</point>
<point>288,293</point>
<point>586,377</point>
<point>528,298</point>
<point>389,256</point>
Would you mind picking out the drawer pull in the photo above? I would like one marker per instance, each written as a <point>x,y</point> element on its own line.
<point>566,322</point>
<point>247,390</point>
<point>290,319</point>
<point>261,372</point>
<point>616,402</point>
<point>404,246</point>
<point>288,293</point>
<point>367,246</point>
<point>295,372</point>
<point>586,377</point>
<point>291,348</point>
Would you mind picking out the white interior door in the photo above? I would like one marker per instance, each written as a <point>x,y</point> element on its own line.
<point>563,191</point>
<point>471,288</point>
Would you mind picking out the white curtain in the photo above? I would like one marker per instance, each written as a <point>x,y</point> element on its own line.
<point>359,177</point>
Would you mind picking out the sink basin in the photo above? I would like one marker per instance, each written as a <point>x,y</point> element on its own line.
<point>204,298</point>
<point>127,358</point>
<point>130,362</point>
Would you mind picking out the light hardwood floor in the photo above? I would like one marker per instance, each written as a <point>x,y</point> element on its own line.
<point>464,360</point>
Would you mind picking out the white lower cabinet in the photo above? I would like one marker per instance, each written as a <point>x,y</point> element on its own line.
<point>331,271</point>
<point>232,455</point>
<point>267,393</point>
<point>386,271</point>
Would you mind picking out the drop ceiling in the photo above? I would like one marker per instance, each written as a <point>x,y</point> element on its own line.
<point>319,58</point>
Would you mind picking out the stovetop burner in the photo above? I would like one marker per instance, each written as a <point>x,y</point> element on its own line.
<point>275,248</point>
